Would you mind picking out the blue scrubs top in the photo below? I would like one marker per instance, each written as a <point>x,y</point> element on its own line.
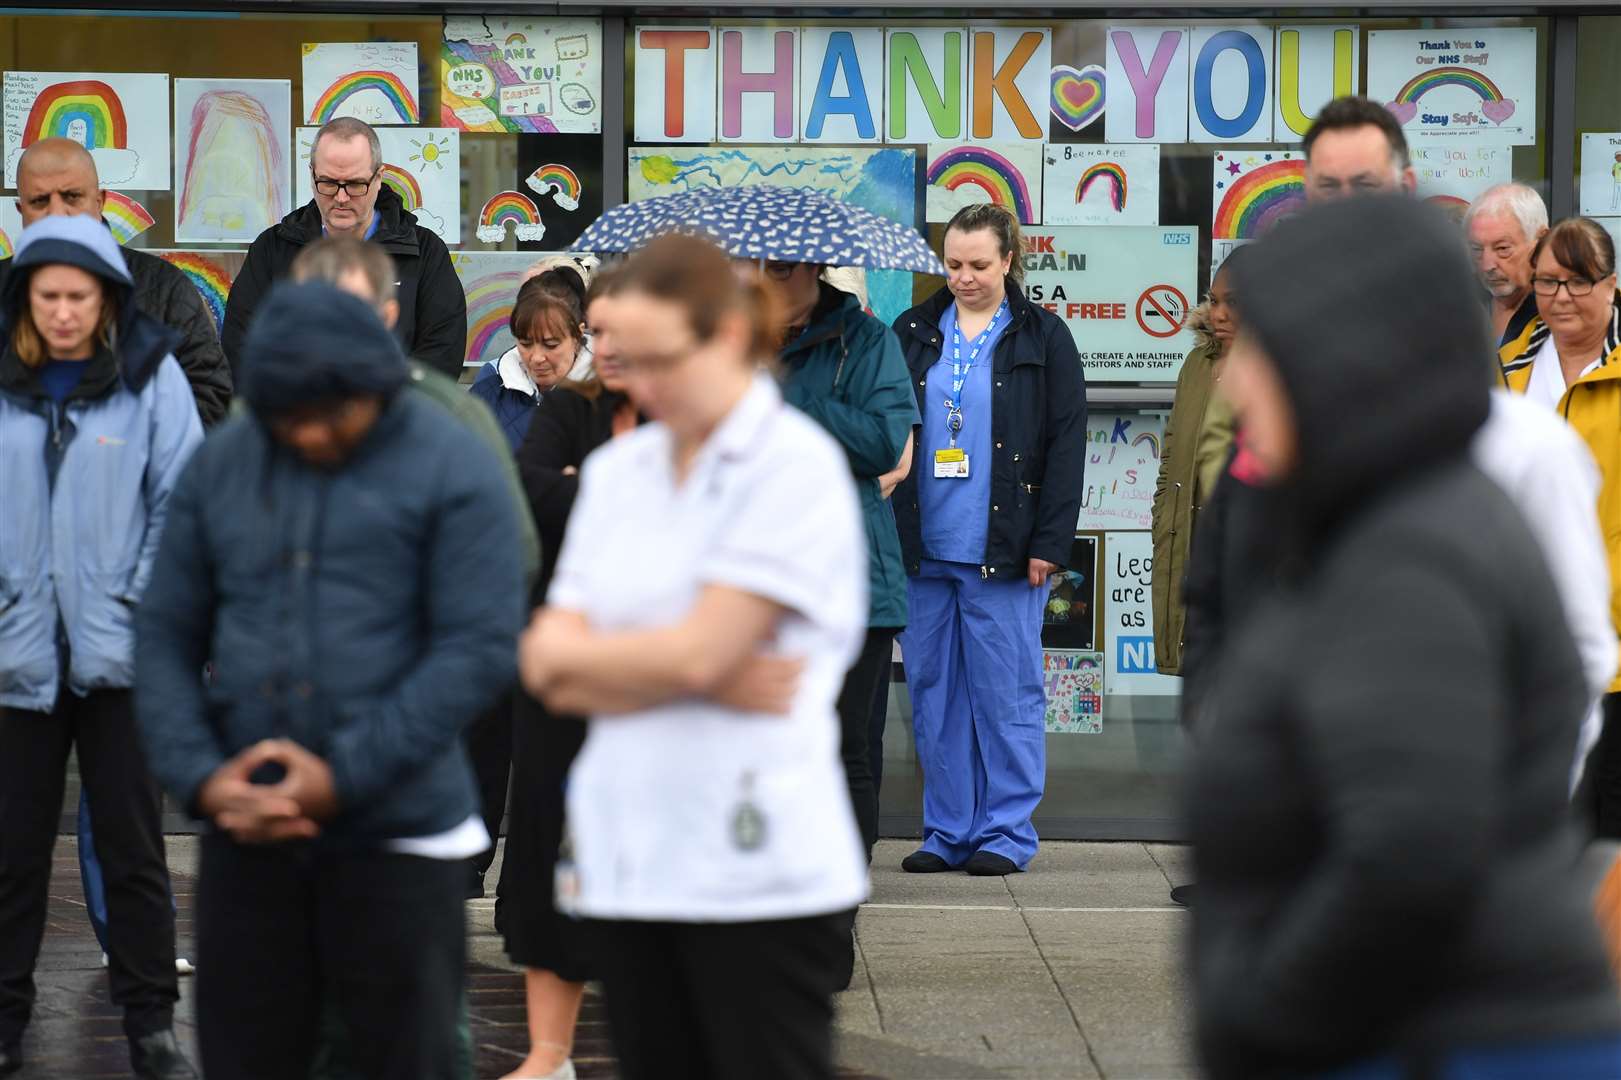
<point>955,512</point>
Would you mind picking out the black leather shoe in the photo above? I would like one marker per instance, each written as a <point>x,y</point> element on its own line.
<point>1185,894</point>
<point>157,1057</point>
<point>11,1058</point>
<point>475,884</point>
<point>989,864</point>
<point>924,862</point>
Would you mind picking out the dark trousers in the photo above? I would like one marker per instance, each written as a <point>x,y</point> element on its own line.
<point>282,927</point>
<point>1601,781</point>
<point>865,681</point>
<point>721,1001</point>
<point>489,747</point>
<point>129,831</point>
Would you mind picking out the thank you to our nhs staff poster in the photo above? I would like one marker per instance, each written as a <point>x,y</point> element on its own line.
<point>1124,293</point>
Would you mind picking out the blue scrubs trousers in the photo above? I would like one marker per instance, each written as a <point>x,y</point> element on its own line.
<point>972,649</point>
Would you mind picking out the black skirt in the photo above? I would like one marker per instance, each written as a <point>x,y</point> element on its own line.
<point>537,935</point>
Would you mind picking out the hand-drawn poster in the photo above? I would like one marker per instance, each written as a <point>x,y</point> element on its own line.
<point>423,166</point>
<point>1122,467</point>
<point>11,226</point>
<point>1007,174</point>
<point>1073,681</point>
<point>880,179</point>
<point>123,120</point>
<point>491,280</point>
<point>211,273</point>
<point>1100,185</point>
<point>1600,173</point>
<point>521,74</point>
<point>125,217</point>
<point>1453,173</point>
<point>1069,620</point>
<point>233,178</point>
<point>374,81</point>
<point>1453,82</point>
<point>1078,95</point>
<point>1128,613</point>
<point>563,175</point>
<point>1253,190</point>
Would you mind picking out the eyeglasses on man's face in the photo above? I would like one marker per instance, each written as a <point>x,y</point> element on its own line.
<point>353,188</point>
<point>1547,286</point>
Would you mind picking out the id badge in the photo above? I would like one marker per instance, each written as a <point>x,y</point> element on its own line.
<point>951,464</point>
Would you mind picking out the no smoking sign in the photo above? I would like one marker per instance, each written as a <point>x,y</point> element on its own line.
<point>1162,311</point>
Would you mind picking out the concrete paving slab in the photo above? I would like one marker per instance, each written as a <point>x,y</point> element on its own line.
<point>1176,860</point>
<point>1091,875</point>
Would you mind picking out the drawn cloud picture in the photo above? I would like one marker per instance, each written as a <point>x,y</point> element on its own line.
<point>374,81</point>
<point>510,208</point>
<point>1007,174</point>
<point>123,120</point>
<point>560,182</point>
<point>231,162</point>
<point>423,166</point>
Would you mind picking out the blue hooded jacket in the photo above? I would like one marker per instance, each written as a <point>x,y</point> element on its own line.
<point>367,611</point>
<point>84,484</point>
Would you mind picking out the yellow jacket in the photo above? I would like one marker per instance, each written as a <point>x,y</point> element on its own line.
<point>1592,405</point>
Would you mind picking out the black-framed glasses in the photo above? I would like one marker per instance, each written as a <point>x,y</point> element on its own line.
<point>1547,286</point>
<point>353,188</point>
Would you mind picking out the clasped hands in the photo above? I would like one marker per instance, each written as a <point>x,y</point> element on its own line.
<point>290,809</point>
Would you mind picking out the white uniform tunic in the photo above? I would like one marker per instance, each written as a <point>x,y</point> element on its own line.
<point>654,798</point>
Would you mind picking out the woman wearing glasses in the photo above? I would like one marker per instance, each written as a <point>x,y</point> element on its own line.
<point>1572,364</point>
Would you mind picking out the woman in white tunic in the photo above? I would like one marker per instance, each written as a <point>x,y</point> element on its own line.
<point>708,600</point>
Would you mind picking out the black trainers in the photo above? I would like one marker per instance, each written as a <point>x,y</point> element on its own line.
<point>924,862</point>
<point>989,864</point>
<point>11,1057</point>
<point>157,1057</point>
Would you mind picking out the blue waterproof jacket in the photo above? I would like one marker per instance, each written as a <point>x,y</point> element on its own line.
<point>509,394</point>
<point>84,485</point>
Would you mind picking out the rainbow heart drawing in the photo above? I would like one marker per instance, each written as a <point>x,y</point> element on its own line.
<point>1493,105</point>
<point>1077,95</point>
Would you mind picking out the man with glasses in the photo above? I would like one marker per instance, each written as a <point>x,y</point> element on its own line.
<point>346,162</point>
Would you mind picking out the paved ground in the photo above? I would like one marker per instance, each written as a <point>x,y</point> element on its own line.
<point>1069,971</point>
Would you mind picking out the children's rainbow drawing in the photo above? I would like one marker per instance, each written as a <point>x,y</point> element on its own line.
<point>1150,440</point>
<point>1104,172</point>
<point>489,310</point>
<point>386,83</point>
<point>235,181</point>
<point>208,276</point>
<point>1493,104</point>
<point>987,170</point>
<point>88,111</point>
<point>5,245</point>
<point>125,217</point>
<point>403,184</point>
<point>1258,199</point>
<point>561,181</point>
<point>510,207</point>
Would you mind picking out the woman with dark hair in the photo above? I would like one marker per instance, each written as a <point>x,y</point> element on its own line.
<point>96,424</point>
<point>549,326</point>
<point>985,517</point>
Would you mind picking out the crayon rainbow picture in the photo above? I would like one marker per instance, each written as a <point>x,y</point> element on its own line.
<point>403,184</point>
<point>400,97</point>
<point>1150,440</point>
<point>88,111</point>
<point>991,172</point>
<point>210,279</point>
<point>1110,174</point>
<point>6,250</point>
<point>1493,104</point>
<point>561,181</point>
<point>510,208</point>
<point>125,217</point>
<point>1256,193</point>
<point>231,160</point>
<point>490,297</point>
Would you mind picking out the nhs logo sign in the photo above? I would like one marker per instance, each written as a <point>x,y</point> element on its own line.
<point>1135,655</point>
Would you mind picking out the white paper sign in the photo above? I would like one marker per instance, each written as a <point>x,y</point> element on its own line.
<point>1454,172</point>
<point>1012,104</point>
<point>1125,294</point>
<point>1122,467</point>
<point>1452,82</point>
<point>1231,84</point>
<point>11,226</point>
<point>1128,614</point>
<point>932,106</point>
<point>1100,185</point>
<point>233,173</point>
<point>1601,173</point>
<point>422,165</point>
<point>675,84</point>
<point>374,81</point>
<point>1148,85</point>
<point>482,55</point>
<point>123,120</point>
<point>1315,65</point>
<point>841,84</point>
<point>1007,174</point>
<point>759,84</point>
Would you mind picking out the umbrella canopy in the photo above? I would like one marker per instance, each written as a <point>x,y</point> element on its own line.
<point>766,222</point>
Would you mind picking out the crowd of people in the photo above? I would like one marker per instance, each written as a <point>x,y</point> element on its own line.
<point>360,616</point>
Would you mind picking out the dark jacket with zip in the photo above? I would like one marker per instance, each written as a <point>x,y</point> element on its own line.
<point>433,307</point>
<point>845,371</point>
<point>1038,435</point>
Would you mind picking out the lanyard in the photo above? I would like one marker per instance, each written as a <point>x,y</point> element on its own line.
<point>960,367</point>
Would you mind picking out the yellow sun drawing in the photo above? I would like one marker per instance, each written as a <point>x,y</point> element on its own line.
<point>431,151</point>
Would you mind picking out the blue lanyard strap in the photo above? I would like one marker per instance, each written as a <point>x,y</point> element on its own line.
<point>961,367</point>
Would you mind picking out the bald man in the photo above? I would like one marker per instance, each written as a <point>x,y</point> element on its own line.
<point>58,177</point>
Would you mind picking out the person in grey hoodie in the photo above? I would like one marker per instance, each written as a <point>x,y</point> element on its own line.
<point>96,423</point>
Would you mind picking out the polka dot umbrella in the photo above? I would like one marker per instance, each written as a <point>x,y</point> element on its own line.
<point>776,224</point>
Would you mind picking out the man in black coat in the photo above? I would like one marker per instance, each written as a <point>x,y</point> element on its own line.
<point>346,162</point>
<point>58,176</point>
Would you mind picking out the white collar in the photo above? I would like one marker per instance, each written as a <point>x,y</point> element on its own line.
<point>514,376</point>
